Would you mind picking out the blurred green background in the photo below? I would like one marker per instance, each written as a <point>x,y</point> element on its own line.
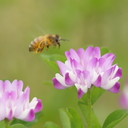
<point>83,22</point>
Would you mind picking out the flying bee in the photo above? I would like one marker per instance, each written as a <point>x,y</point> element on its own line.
<point>39,43</point>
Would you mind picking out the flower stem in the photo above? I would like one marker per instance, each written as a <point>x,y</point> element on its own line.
<point>7,123</point>
<point>89,108</point>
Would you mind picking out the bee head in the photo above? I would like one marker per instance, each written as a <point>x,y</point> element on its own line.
<point>57,38</point>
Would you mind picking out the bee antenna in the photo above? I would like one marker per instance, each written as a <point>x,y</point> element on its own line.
<point>64,39</point>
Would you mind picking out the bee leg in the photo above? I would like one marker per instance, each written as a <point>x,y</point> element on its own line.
<point>47,47</point>
<point>41,44</point>
<point>58,44</point>
<point>40,49</point>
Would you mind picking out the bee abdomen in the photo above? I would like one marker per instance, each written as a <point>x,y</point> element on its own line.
<point>32,46</point>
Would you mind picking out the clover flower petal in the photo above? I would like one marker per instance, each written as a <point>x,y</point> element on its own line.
<point>14,103</point>
<point>123,99</point>
<point>84,68</point>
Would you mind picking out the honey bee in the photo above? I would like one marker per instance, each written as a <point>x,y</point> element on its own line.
<point>40,42</point>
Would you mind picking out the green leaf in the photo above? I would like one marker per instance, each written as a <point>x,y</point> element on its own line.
<point>84,108</point>
<point>48,83</point>
<point>85,99</point>
<point>52,65</point>
<point>17,126</point>
<point>65,118</point>
<point>2,124</point>
<point>104,50</point>
<point>54,57</point>
<point>95,95</point>
<point>28,124</point>
<point>70,118</point>
<point>50,125</point>
<point>114,118</point>
<point>76,118</point>
<point>50,60</point>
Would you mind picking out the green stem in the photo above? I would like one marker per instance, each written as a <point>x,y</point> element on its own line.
<point>7,123</point>
<point>89,108</point>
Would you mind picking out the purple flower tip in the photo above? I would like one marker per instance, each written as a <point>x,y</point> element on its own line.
<point>39,106</point>
<point>57,84</point>
<point>80,93</point>
<point>31,116</point>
